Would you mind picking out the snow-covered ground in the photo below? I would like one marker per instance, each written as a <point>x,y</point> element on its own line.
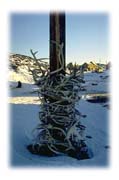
<point>96,82</point>
<point>24,108</point>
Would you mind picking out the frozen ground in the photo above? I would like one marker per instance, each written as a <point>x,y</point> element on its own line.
<point>24,108</point>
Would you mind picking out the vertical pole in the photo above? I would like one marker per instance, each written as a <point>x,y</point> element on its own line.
<point>57,34</point>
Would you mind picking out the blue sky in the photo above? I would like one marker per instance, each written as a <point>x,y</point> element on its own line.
<point>87,36</point>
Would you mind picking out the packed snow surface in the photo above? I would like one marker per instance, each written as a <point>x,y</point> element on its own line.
<point>24,108</point>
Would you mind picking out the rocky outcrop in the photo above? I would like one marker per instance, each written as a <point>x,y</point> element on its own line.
<point>94,67</point>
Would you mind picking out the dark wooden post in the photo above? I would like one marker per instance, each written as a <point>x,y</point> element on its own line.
<point>57,34</point>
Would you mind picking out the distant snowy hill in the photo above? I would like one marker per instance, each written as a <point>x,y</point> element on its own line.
<point>19,68</point>
<point>18,65</point>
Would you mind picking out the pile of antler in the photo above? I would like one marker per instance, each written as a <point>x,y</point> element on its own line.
<point>60,128</point>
